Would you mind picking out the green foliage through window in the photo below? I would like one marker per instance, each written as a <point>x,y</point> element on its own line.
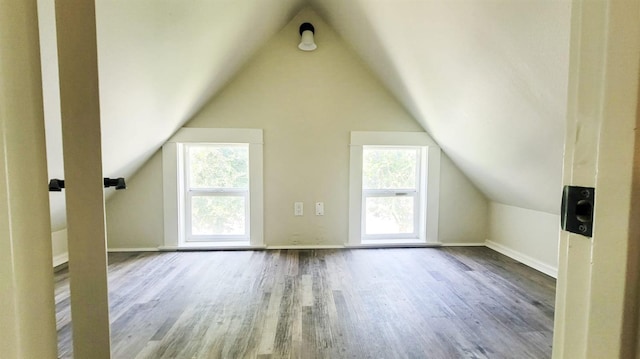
<point>217,184</point>
<point>224,166</point>
<point>389,168</point>
<point>218,215</point>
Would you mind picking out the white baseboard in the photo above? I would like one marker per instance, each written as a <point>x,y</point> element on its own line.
<point>116,250</point>
<point>523,258</point>
<point>168,248</point>
<point>60,259</point>
<point>469,244</point>
<point>215,248</point>
<point>307,246</point>
<point>392,245</point>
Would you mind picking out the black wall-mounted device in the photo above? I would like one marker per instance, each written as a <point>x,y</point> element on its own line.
<point>56,185</point>
<point>578,205</point>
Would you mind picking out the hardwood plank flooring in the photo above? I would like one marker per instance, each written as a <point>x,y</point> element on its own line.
<point>466,302</point>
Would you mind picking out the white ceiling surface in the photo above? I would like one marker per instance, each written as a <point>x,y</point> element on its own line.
<point>486,78</point>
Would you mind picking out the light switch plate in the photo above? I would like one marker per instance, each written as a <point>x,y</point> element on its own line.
<point>298,209</point>
<point>319,208</point>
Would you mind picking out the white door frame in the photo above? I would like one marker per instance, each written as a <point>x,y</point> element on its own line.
<point>596,310</point>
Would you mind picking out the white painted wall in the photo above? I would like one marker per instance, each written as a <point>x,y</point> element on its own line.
<point>528,236</point>
<point>60,247</point>
<point>135,215</point>
<point>307,104</point>
<point>460,202</point>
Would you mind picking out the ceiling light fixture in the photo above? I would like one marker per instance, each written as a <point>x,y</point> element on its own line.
<point>306,41</point>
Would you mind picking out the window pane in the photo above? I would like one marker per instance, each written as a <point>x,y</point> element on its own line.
<point>389,215</point>
<point>389,168</point>
<point>218,215</point>
<point>218,166</point>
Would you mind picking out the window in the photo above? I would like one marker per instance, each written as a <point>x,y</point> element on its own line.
<point>393,193</point>
<point>213,188</point>
<point>216,189</point>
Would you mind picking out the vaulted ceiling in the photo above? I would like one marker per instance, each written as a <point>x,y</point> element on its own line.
<point>486,78</point>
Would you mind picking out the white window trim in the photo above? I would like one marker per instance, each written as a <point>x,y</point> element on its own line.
<point>428,228</point>
<point>173,177</point>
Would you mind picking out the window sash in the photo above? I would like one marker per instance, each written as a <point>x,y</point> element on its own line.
<point>414,193</point>
<point>391,194</point>
<point>187,166</point>
<point>191,192</point>
<point>190,237</point>
<point>418,173</point>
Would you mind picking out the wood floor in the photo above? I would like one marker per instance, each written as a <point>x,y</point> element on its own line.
<point>375,303</point>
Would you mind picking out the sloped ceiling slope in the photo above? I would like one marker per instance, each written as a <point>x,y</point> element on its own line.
<point>486,78</point>
<point>159,61</point>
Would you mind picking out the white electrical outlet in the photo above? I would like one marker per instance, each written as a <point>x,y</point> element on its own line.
<point>319,208</point>
<point>298,209</point>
